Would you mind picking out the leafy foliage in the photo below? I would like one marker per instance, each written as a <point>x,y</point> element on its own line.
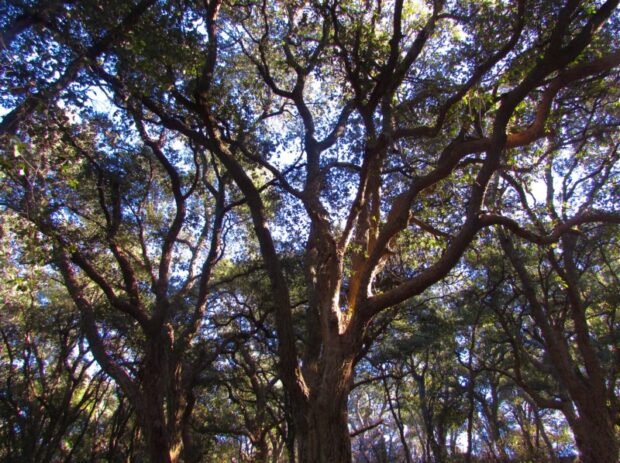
<point>252,230</point>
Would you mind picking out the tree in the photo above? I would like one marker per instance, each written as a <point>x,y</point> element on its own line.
<point>241,401</point>
<point>544,329</point>
<point>378,130</point>
<point>564,285</point>
<point>420,377</point>
<point>570,323</point>
<point>49,391</point>
<point>103,213</point>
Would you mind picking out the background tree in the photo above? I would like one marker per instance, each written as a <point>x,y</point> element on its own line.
<point>567,323</point>
<point>135,241</point>
<point>50,396</point>
<point>564,284</point>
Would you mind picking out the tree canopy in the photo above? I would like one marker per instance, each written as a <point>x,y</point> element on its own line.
<point>280,227</point>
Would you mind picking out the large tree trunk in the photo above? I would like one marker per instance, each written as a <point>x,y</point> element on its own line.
<point>596,438</point>
<point>160,413</point>
<point>323,435</point>
<point>163,444</point>
<point>326,437</point>
<point>162,447</point>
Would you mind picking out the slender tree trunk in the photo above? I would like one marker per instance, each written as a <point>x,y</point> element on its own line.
<point>290,436</point>
<point>261,454</point>
<point>190,452</point>
<point>470,421</point>
<point>540,429</point>
<point>396,416</point>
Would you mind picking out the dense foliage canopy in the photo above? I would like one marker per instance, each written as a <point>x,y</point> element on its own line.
<point>315,231</point>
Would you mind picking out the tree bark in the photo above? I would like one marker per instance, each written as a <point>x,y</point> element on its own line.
<point>324,431</point>
<point>595,438</point>
<point>164,445</point>
<point>163,430</point>
<point>326,437</point>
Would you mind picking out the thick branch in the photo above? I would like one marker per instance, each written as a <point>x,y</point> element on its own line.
<point>95,341</point>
